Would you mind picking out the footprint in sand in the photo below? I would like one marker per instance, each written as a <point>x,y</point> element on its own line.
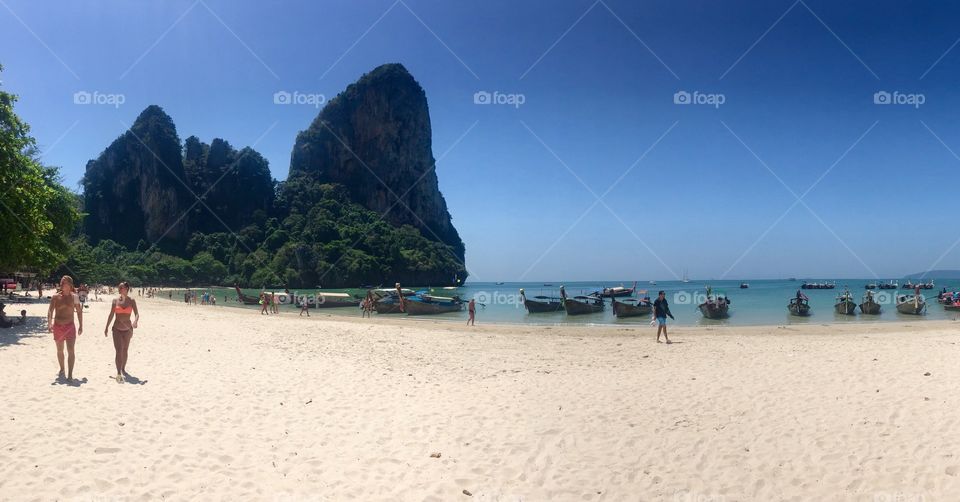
<point>106,450</point>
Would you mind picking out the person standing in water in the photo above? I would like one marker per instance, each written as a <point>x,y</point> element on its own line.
<point>661,309</point>
<point>472,310</point>
<point>60,320</point>
<point>122,327</point>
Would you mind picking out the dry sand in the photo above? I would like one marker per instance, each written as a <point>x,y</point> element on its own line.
<point>234,405</point>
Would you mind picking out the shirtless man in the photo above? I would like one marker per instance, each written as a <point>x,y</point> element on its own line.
<point>60,321</point>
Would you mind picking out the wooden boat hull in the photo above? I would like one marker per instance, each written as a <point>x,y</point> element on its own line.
<point>387,308</point>
<point>246,300</point>
<point>618,292</point>
<point>715,310</point>
<point>846,307</point>
<point>799,310</point>
<point>870,308</point>
<point>954,307</point>
<point>322,302</point>
<point>912,308</point>
<point>328,304</point>
<point>413,307</point>
<point>621,309</point>
<point>574,307</point>
<point>535,307</point>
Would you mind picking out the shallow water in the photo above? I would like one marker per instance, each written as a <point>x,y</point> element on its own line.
<point>764,302</point>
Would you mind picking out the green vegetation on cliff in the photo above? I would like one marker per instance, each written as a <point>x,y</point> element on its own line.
<point>159,211</point>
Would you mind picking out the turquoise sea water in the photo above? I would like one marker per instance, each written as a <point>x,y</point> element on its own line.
<point>765,302</point>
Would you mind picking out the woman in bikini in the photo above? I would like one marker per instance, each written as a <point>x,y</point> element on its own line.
<point>122,327</point>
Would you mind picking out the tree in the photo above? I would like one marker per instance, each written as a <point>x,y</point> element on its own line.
<point>37,213</point>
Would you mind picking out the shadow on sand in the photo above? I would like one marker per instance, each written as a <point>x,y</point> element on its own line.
<point>76,382</point>
<point>128,378</point>
<point>15,335</point>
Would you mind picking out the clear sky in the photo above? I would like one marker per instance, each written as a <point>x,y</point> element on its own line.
<point>598,174</point>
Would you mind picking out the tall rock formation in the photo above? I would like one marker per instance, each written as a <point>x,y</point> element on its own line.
<point>135,190</point>
<point>143,186</point>
<point>375,139</point>
<point>232,184</point>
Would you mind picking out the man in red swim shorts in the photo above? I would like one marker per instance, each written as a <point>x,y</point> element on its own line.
<point>60,321</point>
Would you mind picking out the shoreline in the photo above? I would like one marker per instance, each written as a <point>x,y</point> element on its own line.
<point>603,329</point>
<point>445,320</point>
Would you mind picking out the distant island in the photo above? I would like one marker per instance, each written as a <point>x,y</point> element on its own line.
<point>936,274</point>
<point>361,203</point>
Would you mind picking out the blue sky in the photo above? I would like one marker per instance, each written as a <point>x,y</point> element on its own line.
<point>711,189</point>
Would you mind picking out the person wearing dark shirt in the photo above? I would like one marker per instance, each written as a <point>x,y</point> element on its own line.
<point>661,310</point>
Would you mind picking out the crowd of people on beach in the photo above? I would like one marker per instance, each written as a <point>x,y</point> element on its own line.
<point>194,297</point>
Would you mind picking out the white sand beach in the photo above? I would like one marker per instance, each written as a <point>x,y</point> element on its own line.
<point>232,405</point>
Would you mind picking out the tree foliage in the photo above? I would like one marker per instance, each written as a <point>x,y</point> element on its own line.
<point>37,213</point>
<point>325,240</point>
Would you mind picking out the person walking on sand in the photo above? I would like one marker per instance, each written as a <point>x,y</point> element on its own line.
<point>264,304</point>
<point>60,320</point>
<point>472,311</point>
<point>661,309</point>
<point>304,306</point>
<point>367,305</point>
<point>120,311</point>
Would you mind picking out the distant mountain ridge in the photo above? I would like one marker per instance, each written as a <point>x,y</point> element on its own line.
<point>936,274</point>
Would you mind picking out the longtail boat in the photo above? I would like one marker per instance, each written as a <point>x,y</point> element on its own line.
<point>580,305</point>
<point>845,304</point>
<point>715,307</point>
<point>541,304</point>
<point>869,305</point>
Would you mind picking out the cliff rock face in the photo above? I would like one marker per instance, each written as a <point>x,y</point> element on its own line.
<point>132,190</point>
<point>375,139</point>
<point>140,186</point>
<point>232,184</point>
